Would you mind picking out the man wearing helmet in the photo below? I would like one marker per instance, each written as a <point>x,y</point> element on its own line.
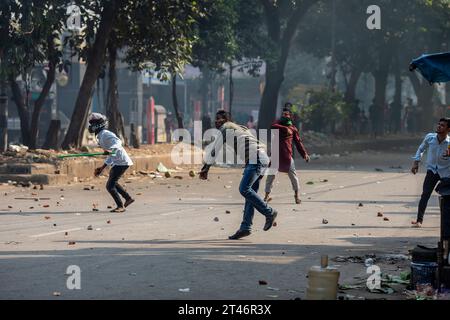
<point>118,159</point>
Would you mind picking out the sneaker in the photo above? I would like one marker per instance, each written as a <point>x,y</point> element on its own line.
<point>128,202</point>
<point>118,209</point>
<point>239,234</point>
<point>270,220</point>
<point>297,200</point>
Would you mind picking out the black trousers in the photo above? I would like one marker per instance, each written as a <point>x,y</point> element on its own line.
<point>445,218</point>
<point>430,182</point>
<point>113,186</point>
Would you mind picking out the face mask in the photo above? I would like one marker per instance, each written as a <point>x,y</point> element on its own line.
<point>286,121</point>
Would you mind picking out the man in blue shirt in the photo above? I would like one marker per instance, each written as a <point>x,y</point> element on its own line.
<point>437,163</point>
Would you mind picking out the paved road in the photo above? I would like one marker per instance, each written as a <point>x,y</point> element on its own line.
<point>169,239</point>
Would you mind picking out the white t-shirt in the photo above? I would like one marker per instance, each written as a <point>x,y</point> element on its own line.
<point>110,142</point>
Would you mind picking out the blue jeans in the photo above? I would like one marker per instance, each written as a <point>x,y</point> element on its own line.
<point>249,190</point>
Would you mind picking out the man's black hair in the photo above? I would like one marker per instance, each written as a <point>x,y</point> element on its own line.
<point>445,120</point>
<point>224,114</point>
<point>288,107</point>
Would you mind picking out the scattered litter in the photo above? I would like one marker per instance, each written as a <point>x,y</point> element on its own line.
<point>90,227</point>
<point>272,296</point>
<point>56,294</point>
<point>210,208</point>
<point>379,170</point>
<point>324,221</point>
<point>184,290</point>
<point>86,188</point>
<point>324,180</point>
<point>227,211</point>
<point>167,174</point>
<point>360,205</point>
<point>227,187</point>
<point>47,217</point>
<point>275,224</point>
<point>139,194</point>
<point>78,214</point>
<point>133,274</point>
<point>12,242</point>
<point>17,148</point>
<point>66,233</point>
<point>161,168</point>
<point>71,243</point>
<point>383,290</point>
<point>273,289</point>
<point>10,207</point>
<point>46,206</point>
<point>178,177</point>
<point>54,224</point>
<point>310,182</point>
<point>349,287</point>
<point>379,214</point>
<point>386,219</point>
<point>262,282</point>
<point>108,222</point>
<point>192,174</point>
<point>216,219</point>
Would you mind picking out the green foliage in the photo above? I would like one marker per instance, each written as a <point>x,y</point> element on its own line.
<point>29,33</point>
<point>324,110</point>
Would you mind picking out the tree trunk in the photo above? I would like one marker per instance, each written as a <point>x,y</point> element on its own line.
<point>133,137</point>
<point>269,102</point>
<point>96,59</point>
<point>275,68</point>
<point>396,108</point>
<point>424,92</point>
<point>231,85</point>
<point>350,92</point>
<point>204,88</point>
<point>381,78</point>
<point>112,101</point>
<point>175,101</point>
<point>34,128</point>
<point>51,140</point>
<point>21,110</point>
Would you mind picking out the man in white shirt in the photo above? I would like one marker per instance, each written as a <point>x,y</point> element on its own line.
<point>118,159</point>
<point>437,163</point>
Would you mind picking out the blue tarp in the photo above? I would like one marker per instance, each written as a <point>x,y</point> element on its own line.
<point>433,67</point>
